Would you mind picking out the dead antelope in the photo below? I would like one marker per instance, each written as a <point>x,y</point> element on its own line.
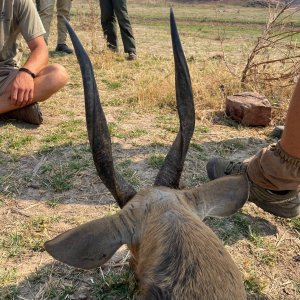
<point>174,254</point>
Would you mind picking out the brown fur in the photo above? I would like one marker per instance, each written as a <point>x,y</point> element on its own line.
<point>174,254</point>
<point>178,256</point>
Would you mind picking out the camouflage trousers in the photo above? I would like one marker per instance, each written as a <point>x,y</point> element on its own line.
<point>46,11</point>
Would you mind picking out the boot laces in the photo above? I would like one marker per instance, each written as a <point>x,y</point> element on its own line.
<point>235,168</point>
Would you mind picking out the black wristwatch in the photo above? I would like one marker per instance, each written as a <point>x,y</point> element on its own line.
<point>27,71</point>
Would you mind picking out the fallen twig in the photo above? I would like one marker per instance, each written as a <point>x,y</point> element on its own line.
<point>17,211</point>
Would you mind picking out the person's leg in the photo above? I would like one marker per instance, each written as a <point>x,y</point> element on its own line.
<point>274,172</point>
<point>29,114</point>
<point>290,141</point>
<point>109,23</point>
<point>277,167</point>
<point>46,9</point>
<point>51,79</point>
<point>120,8</point>
<point>63,10</point>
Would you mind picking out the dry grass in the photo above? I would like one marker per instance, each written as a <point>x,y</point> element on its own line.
<point>150,80</point>
<point>48,182</point>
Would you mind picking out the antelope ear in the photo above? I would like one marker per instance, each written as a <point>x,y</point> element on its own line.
<point>89,245</point>
<point>223,196</point>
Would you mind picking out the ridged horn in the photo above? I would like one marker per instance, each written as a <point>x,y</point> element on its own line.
<point>97,128</point>
<point>170,172</point>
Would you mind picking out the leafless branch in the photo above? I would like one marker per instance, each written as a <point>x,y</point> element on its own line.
<point>276,41</point>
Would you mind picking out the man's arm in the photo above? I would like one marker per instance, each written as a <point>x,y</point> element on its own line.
<point>23,86</point>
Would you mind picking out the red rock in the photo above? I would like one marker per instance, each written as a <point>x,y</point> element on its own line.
<point>249,108</point>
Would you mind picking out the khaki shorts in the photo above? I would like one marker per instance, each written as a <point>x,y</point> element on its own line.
<point>7,75</point>
<point>274,169</point>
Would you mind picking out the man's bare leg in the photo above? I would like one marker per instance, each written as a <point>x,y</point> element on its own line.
<point>290,141</point>
<point>51,79</point>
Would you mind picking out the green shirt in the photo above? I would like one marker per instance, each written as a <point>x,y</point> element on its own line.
<point>17,16</point>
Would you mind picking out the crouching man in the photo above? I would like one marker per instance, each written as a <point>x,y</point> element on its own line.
<point>22,87</point>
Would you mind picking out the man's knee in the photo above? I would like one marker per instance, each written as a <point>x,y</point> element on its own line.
<point>59,74</point>
<point>52,78</point>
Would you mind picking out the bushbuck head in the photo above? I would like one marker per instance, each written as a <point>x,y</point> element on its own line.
<point>174,254</point>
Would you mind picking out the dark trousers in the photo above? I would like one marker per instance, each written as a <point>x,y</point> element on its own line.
<point>38,5</point>
<point>111,11</point>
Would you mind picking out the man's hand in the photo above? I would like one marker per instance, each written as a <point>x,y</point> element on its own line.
<point>22,90</point>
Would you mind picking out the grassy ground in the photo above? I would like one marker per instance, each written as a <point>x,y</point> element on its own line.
<point>48,183</point>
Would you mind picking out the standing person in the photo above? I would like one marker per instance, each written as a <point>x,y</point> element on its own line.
<point>274,172</point>
<point>46,10</point>
<point>110,11</point>
<point>21,88</point>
